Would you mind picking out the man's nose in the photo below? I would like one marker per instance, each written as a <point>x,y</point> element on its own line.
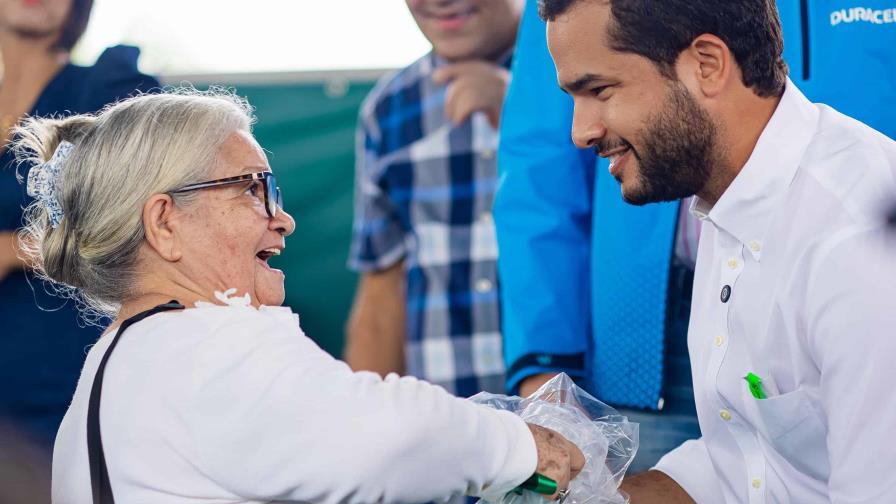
<point>587,128</point>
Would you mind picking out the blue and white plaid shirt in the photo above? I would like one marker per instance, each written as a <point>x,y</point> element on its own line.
<point>423,194</point>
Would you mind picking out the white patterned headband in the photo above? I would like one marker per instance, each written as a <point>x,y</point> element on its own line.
<point>42,181</point>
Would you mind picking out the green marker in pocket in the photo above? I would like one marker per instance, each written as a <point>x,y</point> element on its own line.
<point>755,384</point>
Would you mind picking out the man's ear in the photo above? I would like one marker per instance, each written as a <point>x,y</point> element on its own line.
<point>160,225</point>
<point>708,64</point>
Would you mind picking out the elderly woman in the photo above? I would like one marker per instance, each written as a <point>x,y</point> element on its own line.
<point>162,212</point>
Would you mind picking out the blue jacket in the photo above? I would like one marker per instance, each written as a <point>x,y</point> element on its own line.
<point>843,53</point>
<point>584,276</point>
<point>42,347</point>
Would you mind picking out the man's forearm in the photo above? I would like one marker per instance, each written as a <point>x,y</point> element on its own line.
<point>654,487</point>
<point>531,384</point>
<point>376,327</point>
<point>370,347</point>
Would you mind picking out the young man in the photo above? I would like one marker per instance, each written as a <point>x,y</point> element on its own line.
<point>427,304</point>
<point>595,288</point>
<point>790,336</point>
<point>606,287</point>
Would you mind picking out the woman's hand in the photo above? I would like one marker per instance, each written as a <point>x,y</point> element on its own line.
<point>558,458</point>
<point>9,254</point>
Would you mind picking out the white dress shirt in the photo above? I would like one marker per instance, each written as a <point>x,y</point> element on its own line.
<point>687,234</point>
<point>796,283</point>
<point>231,404</point>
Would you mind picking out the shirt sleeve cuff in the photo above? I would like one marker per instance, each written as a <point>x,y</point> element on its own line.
<point>690,466</point>
<point>378,263</point>
<point>536,363</point>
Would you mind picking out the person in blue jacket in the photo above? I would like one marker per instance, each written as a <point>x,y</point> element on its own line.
<point>42,348</point>
<point>600,289</point>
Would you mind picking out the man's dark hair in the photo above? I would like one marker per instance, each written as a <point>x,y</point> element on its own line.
<point>660,30</point>
<point>75,25</point>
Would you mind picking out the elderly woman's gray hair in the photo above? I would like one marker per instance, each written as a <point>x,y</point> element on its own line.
<point>149,144</point>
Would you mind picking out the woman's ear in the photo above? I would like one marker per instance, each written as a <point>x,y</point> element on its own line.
<point>160,224</point>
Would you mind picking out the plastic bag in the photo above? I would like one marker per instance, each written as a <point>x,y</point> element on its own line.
<point>607,439</point>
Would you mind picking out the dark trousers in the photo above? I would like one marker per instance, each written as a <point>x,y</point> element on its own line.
<point>664,430</point>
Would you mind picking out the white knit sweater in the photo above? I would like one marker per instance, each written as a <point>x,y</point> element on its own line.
<point>235,404</point>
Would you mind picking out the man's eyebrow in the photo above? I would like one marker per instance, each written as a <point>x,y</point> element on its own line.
<point>580,83</point>
<point>254,169</point>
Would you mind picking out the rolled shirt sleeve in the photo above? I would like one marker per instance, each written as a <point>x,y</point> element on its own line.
<point>378,237</point>
<point>690,466</point>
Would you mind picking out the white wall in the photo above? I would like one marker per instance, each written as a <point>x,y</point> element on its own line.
<point>239,36</point>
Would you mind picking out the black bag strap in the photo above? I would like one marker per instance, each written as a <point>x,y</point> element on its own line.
<point>99,473</point>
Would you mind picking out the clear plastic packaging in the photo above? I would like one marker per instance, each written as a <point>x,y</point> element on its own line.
<point>607,439</point>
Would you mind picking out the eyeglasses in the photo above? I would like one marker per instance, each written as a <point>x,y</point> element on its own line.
<point>273,198</point>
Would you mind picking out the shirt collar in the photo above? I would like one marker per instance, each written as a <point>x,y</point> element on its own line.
<point>746,208</point>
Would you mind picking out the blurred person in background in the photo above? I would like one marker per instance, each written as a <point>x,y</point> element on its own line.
<point>204,388</point>
<point>24,469</point>
<point>600,289</point>
<point>42,348</point>
<point>424,242</point>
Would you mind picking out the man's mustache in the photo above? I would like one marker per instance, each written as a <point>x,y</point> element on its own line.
<point>610,145</point>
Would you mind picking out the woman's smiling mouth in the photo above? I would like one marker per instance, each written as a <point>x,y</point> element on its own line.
<point>263,256</point>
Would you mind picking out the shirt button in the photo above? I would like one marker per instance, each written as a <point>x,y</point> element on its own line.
<point>733,263</point>
<point>755,246</point>
<point>757,483</point>
<point>719,340</point>
<point>483,285</point>
<point>486,217</point>
<point>726,293</point>
<point>725,414</point>
<point>488,154</point>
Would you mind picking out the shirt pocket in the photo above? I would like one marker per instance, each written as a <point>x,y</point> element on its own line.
<point>794,429</point>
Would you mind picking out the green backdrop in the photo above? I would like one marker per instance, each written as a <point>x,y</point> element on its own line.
<point>308,129</point>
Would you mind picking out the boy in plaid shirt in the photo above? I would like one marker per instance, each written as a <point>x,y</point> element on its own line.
<point>424,242</point>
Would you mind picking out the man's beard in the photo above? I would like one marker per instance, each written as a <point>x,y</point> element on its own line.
<point>680,151</point>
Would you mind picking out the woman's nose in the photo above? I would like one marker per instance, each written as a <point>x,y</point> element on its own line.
<point>283,222</point>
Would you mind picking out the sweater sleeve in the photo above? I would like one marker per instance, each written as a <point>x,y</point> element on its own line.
<point>276,418</point>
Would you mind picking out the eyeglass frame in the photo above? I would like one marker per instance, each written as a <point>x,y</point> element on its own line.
<point>273,197</point>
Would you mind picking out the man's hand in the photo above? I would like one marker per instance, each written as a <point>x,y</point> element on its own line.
<point>472,86</point>
<point>558,458</point>
<point>531,384</point>
<point>654,487</point>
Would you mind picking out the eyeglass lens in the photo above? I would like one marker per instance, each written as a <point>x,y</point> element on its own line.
<point>273,196</point>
